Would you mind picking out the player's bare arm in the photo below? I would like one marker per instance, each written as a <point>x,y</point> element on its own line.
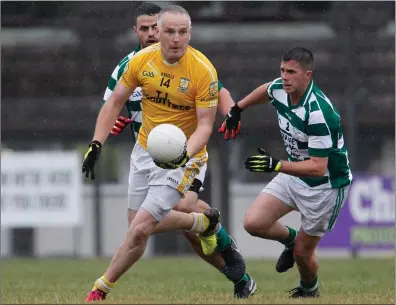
<point>232,123</point>
<point>110,111</point>
<point>107,115</point>
<point>314,167</point>
<point>225,101</point>
<point>257,96</point>
<point>198,140</point>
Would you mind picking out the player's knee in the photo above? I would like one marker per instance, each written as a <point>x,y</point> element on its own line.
<point>160,201</point>
<point>182,206</point>
<point>255,224</point>
<point>188,204</point>
<point>305,246</point>
<point>251,225</point>
<point>302,252</point>
<point>139,234</point>
<point>298,252</point>
<point>202,205</point>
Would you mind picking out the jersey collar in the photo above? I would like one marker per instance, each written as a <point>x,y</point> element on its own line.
<point>304,98</point>
<point>180,61</point>
<point>168,64</point>
<point>137,48</point>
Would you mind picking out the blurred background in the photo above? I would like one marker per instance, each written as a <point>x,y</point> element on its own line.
<point>57,58</point>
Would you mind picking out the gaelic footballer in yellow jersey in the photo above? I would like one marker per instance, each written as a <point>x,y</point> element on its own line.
<point>185,93</point>
<point>172,92</point>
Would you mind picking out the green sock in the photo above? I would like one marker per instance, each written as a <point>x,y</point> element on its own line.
<point>223,239</point>
<point>232,276</point>
<point>245,278</point>
<point>290,239</point>
<point>309,286</point>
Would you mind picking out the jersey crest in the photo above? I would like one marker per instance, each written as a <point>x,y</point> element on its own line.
<point>213,88</point>
<point>183,84</point>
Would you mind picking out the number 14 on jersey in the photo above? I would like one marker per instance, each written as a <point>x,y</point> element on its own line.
<point>165,83</point>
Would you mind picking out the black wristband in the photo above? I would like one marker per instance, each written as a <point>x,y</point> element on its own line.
<point>97,143</point>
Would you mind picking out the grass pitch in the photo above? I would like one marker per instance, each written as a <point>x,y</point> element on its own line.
<point>190,280</point>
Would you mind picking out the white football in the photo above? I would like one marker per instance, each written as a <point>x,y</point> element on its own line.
<point>166,142</point>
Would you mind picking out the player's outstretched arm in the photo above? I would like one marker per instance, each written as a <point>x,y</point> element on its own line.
<point>107,115</point>
<point>200,137</point>
<point>122,122</point>
<point>232,123</point>
<point>257,96</point>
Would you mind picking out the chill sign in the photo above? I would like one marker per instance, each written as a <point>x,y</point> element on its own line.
<point>40,189</point>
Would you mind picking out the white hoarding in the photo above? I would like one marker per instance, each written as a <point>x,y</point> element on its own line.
<point>40,189</point>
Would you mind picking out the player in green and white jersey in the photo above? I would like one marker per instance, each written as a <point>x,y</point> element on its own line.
<point>133,104</point>
<point>316,177</point>
<point>228,259</point>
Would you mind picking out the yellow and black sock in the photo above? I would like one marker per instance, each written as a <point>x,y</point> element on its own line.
<point>200,223</point>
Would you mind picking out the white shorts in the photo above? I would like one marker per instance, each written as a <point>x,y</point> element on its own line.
<point>319,208</point>
<point>144,173</point>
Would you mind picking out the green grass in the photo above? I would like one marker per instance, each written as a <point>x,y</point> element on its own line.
<point>189,280</point>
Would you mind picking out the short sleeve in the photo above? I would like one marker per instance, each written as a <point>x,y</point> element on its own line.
<point>220,85</point>
<point>320,142</point>
<point>112,83</point>
<point>129,77</point>
<point>208,90</point>
<point>276,84</point>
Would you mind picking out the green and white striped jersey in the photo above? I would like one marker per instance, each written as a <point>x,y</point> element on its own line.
<point>133,104</point>
<point>312,128</point>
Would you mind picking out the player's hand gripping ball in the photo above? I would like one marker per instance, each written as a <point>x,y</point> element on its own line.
<point>166,145</point>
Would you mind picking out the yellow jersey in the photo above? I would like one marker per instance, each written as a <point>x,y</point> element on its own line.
<point>171,92</point>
